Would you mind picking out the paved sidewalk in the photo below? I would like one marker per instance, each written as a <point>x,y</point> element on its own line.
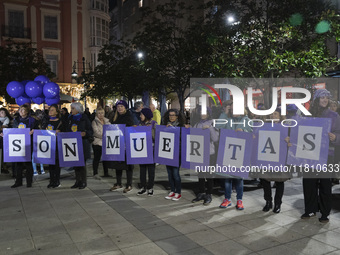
<point>96,221</point>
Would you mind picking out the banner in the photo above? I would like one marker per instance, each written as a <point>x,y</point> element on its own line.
<point>270,146</point>
<point>139,145</point>
<point>113,148</point>
<point>234,152</point>
<point>44,146</point>
<point>17,145</point>
<point>70,147</point>
<point>167,145</point>
<point>310,142</point>
<point>195,147</point>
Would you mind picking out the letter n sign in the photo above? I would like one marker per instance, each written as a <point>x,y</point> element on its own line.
<point>17,145</point>
<point>70,147</point>
<point>44,146</point>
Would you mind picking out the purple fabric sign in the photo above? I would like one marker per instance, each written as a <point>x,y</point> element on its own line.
<point>195,147</point>
<point>44,146</point>
<point>167,145</point>
<point>234,152</point>
<point>17,145</point>
<point>310,142</point>
<point>139,145</point>
<point>70,147</point>
<point>113,148</point>
<point>270,148</point>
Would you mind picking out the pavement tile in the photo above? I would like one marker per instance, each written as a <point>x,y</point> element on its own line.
<point>64,249</point>
<point>258,224</point>
<point>257,242</point>
<point>330,238</point>
<point>97,246</point>
<point>176,244</point>
<point>189,226</point>
<point>206,237</point>
<point>279,250</point>
<point>161,232</point>
<point>310,246</point>
<point>148,248</point>
<point>228,247</point>
<point>234,230</point>
<point>10,246</point>
<point>282,235</point>
<point>124,240</point>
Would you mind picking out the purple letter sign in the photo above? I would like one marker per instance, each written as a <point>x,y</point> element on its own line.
<point>17,145</point>
<point>44,146</point>
<point>113,148</point>
<point>70,146</point>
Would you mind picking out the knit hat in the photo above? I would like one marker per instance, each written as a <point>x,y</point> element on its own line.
<point>147,113</point>
<point>122,102</point>
<point>321,93</point>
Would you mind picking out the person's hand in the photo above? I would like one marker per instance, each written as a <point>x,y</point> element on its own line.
<point>169,125</point>
<point>2,134</point>
<point>31,132</point>
<point>83,133</point>
<point>206,127</point>
<point>332,137</point>
<point>287,139</point>
<point>239,130</point>
<point>186,125</point>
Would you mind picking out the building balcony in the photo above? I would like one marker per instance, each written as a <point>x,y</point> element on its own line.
<point>16,32</point>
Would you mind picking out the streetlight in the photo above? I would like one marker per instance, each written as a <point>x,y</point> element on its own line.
<point>140,55</point>
<point>83,78</point>
<point>230,19</point>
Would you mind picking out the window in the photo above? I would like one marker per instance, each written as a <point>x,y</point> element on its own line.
<point>52,61</point>
<point>16,25</point>
<point>99,31</point>
<point>51,27</point>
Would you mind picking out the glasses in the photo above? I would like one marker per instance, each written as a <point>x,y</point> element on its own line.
<point>172,115</point>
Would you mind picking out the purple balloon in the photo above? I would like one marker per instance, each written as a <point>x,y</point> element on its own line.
<point>22,100</point>
<point>38,100</point>
<point>51,90</point>
<point>15,89</point>
<point>42,79</point>
<point>33,89</point>
<point>25,82</point>
<point>50,101</point>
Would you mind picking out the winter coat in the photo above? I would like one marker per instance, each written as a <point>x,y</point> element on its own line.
<point>97,127</point>
<point>125,118</point>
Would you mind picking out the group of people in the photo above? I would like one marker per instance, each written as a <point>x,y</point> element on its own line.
<point>317,191</point>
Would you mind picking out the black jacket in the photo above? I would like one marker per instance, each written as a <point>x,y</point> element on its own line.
<point>125,118</point>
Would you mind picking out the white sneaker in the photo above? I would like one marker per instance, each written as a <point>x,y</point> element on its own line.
<point>170,195</point>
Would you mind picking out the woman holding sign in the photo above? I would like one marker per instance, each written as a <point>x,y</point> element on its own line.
<point>79,122</point>
<point>123,116</point>
<point>24,121</point>
<point>53,123</point>
<point>172,118</point>
<point>318,191</point>
<point>146,120</point>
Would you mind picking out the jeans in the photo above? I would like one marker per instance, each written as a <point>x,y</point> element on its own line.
<point>228,188</point>
<point>151,175</point>
<point>97,153</point>
<point>174,179</point>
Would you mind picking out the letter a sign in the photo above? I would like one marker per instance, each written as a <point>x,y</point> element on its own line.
<point>17,145</point>
<point>70,147</point>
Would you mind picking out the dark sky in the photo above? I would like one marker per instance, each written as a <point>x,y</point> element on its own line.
<point>112,4</point>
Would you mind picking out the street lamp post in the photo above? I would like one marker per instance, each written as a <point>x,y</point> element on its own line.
<point>83,79</point>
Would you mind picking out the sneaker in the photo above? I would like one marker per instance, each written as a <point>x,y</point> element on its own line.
<point>176,197</point>
<point>56,185</point>
<point>127,189</point>
<point>116,187</point>
<point>308,215</point>
<point>226,203</point>
<point>199,197</point>
<point>50,185</point>
<point>170,195</point>
<point>239,205</point>
<point>150,192</point>
<point>141,192</point>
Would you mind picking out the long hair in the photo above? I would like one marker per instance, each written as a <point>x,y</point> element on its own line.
<point>57,109</point>
<point>316,110</point>
<point>8,115</point>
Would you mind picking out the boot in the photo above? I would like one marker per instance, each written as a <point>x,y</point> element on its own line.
<point>200,196</point>
<point>207,199</point>
<point>76,185</point>
<point>277,208</point>
<point>268,206</point>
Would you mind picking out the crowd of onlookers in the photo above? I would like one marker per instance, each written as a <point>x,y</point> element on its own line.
<point>317,192</point>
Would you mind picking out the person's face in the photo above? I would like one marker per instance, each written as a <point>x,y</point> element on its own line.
<point>121,109</point>
<point>107,109</point>
<point>142,117</point>
<point>52,112</point>
<point>275,115</point>
<point>333,107</point>
<point>323,101</point>
<point>74,111</point>
<point>172,116</point>
<point>204,116</point>
<point>62,112</point>
<point>152,107</point>
<point>100,115</point>
<point>2,114</point>
<point>22,112</point>
<point>139,108</point>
